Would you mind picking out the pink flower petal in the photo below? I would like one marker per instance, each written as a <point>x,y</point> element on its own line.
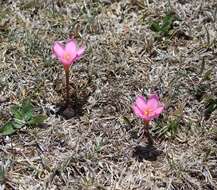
<point>53,56</point>
<point>80,51</point>
<point>159,110</point>
<point>65,62</point>
<point>57,49</point>
<point>137,111</point>
<point>153,102</point>
<point>71,46</point>
<point>141,102</point>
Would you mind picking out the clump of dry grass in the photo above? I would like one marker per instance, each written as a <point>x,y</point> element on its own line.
<point>99,148</point>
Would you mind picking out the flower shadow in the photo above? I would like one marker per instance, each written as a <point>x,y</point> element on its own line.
<point>148,152</point>
<point>74,108</point>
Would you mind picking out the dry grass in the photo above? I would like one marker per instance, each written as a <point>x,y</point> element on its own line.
<point>99,147</point>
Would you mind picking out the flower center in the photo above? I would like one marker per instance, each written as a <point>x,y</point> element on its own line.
<point>66,56</point>
<point>148,111</point>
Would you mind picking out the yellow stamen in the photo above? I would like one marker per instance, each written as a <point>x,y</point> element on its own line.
<point>148,111</point>
<point>66,56</point>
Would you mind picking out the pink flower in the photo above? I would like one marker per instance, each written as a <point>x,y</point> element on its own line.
<point>147,109</point>
<point>67,54</point>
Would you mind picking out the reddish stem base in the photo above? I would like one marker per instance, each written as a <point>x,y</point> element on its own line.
<point>147,133</point>
<point>66,68</point>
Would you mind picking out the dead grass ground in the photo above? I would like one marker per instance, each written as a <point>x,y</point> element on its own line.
<point>99,147</point>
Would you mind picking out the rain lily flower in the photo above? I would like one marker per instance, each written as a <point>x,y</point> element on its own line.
<point>67,55</point>
<point>147,109</point>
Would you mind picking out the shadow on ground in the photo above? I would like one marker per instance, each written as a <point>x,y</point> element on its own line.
<point>72,109</point>
<point>148,152</point>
